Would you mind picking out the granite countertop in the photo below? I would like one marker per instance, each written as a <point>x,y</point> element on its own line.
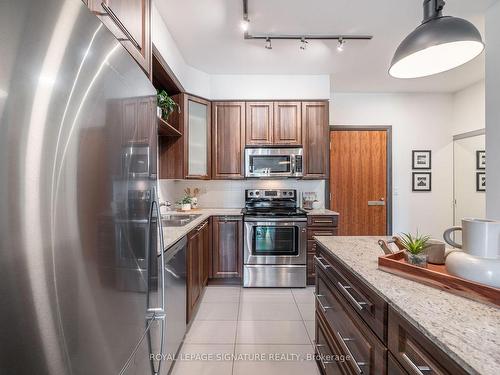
<point>468,331</point>
<point>173,234</point>
<point>320,211</point>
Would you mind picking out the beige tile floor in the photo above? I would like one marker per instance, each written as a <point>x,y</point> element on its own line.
<point>240,331</point>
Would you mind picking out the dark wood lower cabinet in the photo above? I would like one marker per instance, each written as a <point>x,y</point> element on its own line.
<point>318,225</point>
<point>227,247</point>
<point>197,265</point>
<point>352,320</point>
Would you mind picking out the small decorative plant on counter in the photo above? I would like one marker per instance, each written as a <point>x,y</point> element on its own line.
<point>166,104</point>
<point>415,248</point>
<point>185,203</point>
<point>193,195</point>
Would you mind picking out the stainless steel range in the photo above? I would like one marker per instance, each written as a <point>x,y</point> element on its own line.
<point>275,240</point>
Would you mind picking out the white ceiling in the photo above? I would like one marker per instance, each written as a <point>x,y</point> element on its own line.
<point>209,36</point>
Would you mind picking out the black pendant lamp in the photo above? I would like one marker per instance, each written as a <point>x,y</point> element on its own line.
<point>439,44</point>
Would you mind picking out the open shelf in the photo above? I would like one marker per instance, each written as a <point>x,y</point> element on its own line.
<point>165,129</point>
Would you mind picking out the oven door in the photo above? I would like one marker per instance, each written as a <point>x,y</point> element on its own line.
<point>275,241</point>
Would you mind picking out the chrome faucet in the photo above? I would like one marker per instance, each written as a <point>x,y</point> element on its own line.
<point>166,204</point>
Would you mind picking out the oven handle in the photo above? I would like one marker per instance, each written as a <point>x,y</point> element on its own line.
<point>274,220</point>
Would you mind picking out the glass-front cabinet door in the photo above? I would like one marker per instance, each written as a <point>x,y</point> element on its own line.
<point>198,137</point>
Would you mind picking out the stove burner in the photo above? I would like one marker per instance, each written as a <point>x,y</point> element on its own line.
<point>272,203</point>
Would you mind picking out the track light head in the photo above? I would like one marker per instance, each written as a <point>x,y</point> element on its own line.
<point>340,46</point>
<point>245,24</point>
<point>268,44</point>
<point>303,44</point>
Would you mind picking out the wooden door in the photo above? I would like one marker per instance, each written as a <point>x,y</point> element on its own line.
<point>358,181</point>
<point>193,271</point>
<point>135,17</point>
<point>287,123</point>
<point>206,253</point>
<point>228,140</point>
<point>259,123</point>
<point>227,247</point>
<point>315,135</point>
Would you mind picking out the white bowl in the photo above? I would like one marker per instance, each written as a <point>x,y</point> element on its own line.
<point>481,270</point>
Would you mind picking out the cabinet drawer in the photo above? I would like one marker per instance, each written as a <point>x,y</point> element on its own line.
<point>323,221</point>
<point>328,357</point>
<point>311,232</point>
<point>356,340</point>
<point>371,307</point>
<point>415,352</point>
<point>393,367</point>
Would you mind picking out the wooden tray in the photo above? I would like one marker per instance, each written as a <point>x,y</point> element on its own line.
<point>437,276</point>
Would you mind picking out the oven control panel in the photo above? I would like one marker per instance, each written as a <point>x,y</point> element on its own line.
<point>271,194</point>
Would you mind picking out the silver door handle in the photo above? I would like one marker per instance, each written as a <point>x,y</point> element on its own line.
<point>323,307</point>
<point>320,262</point>
<point>343,343</point>
<point>418,369</point>
<point>345,289</point>
<point>161,308</point>
<point>109,12</point>
<point>380,202</point>
<point>323,363</point>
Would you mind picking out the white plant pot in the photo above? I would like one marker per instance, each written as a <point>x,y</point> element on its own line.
<point>186,207</point>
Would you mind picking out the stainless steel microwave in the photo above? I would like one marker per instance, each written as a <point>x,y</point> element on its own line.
<point>273,162</point>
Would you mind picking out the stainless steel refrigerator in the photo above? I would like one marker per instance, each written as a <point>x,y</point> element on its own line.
<point>80,271</point>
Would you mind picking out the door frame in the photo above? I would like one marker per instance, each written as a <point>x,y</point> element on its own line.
<point>388,130</point>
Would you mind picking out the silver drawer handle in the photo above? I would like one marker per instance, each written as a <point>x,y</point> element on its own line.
<point>343,342</point>
<point>202,226</point>
<point>418,369</point>
<point>323,221</point>
<point>319,260</point>
<point>323,307</point>
<point>345,288</point>
<point>323,363</point>
<point>322,233</point>
<point>119,24</point>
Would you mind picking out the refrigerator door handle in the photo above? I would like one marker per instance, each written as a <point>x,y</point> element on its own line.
<point>153,253</point>
<point>156,358</point>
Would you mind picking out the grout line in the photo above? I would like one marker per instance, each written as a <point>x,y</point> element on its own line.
<point>303,321</point>
<point>236,331</point>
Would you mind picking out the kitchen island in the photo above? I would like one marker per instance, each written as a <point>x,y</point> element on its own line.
<point>450,328</point>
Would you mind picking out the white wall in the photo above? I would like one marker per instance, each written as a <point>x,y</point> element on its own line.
<point>419,121</point>
<point>493,112</point>
<point>194,81</point>
<point>248,87</point>
<point>469,109</point>
<point>231,194</point>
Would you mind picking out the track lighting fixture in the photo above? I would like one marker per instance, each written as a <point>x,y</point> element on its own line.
<point>341,44</point>
<point>268,44</point>
<point>303,44</point>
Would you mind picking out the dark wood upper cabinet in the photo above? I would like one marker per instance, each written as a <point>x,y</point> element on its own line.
<point>130,22</point>
<point>228,140</point>
<point>259,123</point>
<point>316,140</point>
<point>287,124</point>
<point>227,247</point>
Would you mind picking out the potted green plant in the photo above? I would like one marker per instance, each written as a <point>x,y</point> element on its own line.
<point>185,203</point>
<point>415,248</point>
<point>166,104</point>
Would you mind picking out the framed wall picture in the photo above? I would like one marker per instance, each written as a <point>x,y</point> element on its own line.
<point>421,159</point>
<point>480,159</point>
<point>480,181</point>
<point>422,181</point>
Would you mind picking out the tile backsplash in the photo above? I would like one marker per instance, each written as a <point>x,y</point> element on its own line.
<point>231,193</point>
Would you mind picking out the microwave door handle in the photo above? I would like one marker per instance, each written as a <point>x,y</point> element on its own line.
<point>293,161</point>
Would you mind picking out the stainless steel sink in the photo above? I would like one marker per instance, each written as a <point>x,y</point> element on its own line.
<point>173,220</point>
